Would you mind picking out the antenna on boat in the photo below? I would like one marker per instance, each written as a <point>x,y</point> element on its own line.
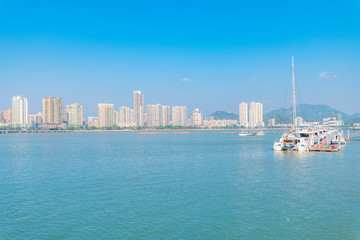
<point>293,92</point>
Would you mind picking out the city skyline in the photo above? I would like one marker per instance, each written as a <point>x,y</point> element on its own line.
<point>54,115</point>
<point>7,113</point>
<point>116,105</point>
<point>180,55</point>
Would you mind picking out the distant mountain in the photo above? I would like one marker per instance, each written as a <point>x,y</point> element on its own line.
<point>218,115</point>
<point>310,113</point>
<point>356,115</point>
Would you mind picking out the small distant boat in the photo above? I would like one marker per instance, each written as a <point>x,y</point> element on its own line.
<point>245,133</point>
<point>260,133</point>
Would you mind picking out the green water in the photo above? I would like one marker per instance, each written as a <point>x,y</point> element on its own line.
<point>198,186</point>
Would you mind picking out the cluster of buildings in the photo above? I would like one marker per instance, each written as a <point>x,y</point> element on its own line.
<point>251,115</point>
<point>55,115</point>
<point>156,115</point>
<point>299,121</point>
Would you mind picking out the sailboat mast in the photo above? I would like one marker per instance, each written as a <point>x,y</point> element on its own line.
<point>293,92</point>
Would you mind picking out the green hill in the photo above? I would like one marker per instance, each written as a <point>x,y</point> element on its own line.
<point>218,115</point>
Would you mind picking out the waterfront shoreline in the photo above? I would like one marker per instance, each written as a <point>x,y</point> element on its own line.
<point>144,131</point>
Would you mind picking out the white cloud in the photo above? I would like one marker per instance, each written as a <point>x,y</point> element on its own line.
<point>327,75</point>
<point>186,80</point>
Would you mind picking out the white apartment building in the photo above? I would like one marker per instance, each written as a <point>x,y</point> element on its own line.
<point>139,108</point>
<point>243,114</point>
<point>19,111</point>
<point>106,115</point>
<point>74,114</point>
<point>154,115</point>
<point>165,116</point>
<point>126,117</point>
<point>256,115</point>
<point>196,118</point>
<point>179,116</point>
<point>219,123</point>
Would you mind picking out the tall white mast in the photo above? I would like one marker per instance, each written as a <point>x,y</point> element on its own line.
<point>293,92</point>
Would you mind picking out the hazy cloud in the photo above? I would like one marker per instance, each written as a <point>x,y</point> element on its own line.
<point>327,75</point>
<point>186,80</point>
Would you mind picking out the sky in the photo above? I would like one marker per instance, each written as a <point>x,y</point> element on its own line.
<point>210,55</point>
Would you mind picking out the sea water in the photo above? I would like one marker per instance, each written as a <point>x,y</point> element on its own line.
<point>204,185</point>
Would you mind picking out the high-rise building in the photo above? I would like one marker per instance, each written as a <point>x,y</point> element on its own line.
<point>8,115</point>
<point>196,119</point>
<point>116,117</point>
<point>75,114</point>
<point>165,116</point>
<point>126,116</point>
<point>256,115</point>
<point>52,110</point>
<point>19,111</point>
<point>243,114</point>
<point>1,117</point>
<point>106,115</point>
<point>154,115</point>
<point>139,108</point>
<point>179,116</point>
<point>65,114</point>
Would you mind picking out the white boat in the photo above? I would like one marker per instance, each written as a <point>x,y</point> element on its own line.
<point>318,139</point>
<point>245,133</point>
<point>260,133</point>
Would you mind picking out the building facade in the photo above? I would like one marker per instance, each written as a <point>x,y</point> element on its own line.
<point>8,116</point>
<point>139,108</point>
<point>19,111</point>
<point>92,122</point>
<point>75,114</point>
<point>243,114</point>
<point>52,110</point>
<point>332,121</point>
<point>256,115</point>
<point>165,116</point>
<point>106,115</point>
<point>35,119</point>
<point>196,118</point>
<point>179,116</point>
<point>154,115</point>
<point>126,117</point>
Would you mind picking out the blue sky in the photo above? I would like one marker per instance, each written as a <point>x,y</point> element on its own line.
<point>206,54</point>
